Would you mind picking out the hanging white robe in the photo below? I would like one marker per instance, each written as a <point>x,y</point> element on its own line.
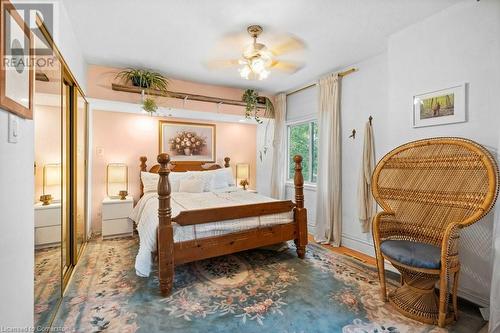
<point>366,203</point>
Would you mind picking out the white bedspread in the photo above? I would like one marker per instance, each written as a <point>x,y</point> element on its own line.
<point>145,214</point>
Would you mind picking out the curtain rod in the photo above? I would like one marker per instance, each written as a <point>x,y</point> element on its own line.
<point>341,74</point>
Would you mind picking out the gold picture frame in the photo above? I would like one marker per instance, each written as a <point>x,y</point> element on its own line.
<point>187,142</point>
<point>16,70</point>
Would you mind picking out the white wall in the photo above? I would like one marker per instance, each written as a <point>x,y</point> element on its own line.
<point>459,44</point>
<point>364,94</point>
<point>16,225</point>
<point>16,199</point>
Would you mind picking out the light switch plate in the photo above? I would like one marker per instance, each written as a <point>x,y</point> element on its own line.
<point>13,128</point>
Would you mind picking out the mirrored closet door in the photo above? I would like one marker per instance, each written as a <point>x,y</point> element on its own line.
<point>60,121</point>
<point>49,190</point>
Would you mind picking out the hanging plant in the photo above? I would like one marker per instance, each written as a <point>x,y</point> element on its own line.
<point>144,78</point>
<point>149,105</point>
<point>252,99</point>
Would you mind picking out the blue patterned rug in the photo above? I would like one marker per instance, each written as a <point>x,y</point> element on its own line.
<point>250,292</point>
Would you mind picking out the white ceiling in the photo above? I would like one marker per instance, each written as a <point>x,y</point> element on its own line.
<point>178,37</point>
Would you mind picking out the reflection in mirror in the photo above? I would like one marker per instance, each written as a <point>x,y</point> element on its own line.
<point>80,176</point>
<point>48,191</point>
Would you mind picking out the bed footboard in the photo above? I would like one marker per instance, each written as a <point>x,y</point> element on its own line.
<point>220,245</point>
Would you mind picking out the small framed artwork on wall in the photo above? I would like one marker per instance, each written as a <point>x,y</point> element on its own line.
<point>187,142</point>
<point>440,107</point>
<point>16,72</point>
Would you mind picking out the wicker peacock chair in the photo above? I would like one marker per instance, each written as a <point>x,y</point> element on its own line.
<point>429,190</point>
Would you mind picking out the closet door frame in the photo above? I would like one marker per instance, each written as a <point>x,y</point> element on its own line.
<point>70,159</point>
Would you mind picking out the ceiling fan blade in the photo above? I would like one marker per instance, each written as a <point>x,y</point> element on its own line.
<point>291,44</point>
<point>222,63</point>
<point>286,66</point>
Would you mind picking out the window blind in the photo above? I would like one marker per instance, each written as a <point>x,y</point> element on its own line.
<point>302,105</point>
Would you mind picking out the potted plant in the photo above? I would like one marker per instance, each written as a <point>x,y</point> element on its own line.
<point>144,78</point>
<point>149,105</point>
<point>252,99</point>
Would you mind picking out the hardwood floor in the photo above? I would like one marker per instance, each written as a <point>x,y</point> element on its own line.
<point>349,252</point>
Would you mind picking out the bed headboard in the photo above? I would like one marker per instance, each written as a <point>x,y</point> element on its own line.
<point>181,167</point>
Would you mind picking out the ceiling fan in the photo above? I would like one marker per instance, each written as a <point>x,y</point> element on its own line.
<point>257,59</point>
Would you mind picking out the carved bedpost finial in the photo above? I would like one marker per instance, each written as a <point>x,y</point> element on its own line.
<point>144,168</point>
<point>165,231</point>
<point>143,160</point>
<point>226,162</point>
<point>298,182</point>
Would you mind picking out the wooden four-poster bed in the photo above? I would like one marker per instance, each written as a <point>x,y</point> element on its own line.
<point>171,254</point>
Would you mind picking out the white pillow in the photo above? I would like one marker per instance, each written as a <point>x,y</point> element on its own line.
<point>175,178</point>
<point>227,174</point>
<point>150,181</point>
<point>204,176</point>
<point>191,185</point>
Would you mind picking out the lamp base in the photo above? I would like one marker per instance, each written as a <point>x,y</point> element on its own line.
<point>46,199</point>
<point>123,195</point>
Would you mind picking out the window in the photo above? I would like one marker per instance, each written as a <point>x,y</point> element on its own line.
<point>303,140</point>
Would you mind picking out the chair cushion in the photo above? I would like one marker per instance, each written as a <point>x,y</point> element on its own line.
<point>412,254</point>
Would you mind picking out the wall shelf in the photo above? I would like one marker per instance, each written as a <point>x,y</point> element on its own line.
<point>180,95</point>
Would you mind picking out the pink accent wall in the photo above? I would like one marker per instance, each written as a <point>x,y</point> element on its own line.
<point>100,79</point>
<point>47,123</point>
<point>124,137</point>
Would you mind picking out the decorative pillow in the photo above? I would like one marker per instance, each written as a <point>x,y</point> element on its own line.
<point>174,178</point>
<point>204,176</point>
<point>219,179</point>
<point>227,174</point>
<point>150,181</point>
<point>191,185</point>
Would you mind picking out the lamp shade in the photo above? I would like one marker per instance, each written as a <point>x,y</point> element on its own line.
<point>117,179</point>
<point>242,172</point>
<point>52,180</point>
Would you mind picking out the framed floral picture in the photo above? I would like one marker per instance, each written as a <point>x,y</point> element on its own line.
<point>187,142</point>
<point>16,72</point>
<point>445,106</point>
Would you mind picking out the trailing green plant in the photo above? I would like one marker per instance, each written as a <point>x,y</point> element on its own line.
<point>144,78</point>
<point>252,99</point>
<point>149,105</point>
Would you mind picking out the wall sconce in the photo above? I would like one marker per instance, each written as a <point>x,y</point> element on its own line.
<point>117,180</point>
<point>51,183</point>
<point>242,174</point>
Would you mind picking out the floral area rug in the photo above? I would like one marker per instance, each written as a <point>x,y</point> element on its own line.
<point>47,284</point>
<point>250,292</point>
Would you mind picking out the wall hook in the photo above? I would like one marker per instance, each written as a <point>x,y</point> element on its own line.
<point>353,135</point>
<point>370,120</point>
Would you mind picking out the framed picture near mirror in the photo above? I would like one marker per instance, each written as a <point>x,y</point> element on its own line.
<point>16,72</point>
<point>187,142</point>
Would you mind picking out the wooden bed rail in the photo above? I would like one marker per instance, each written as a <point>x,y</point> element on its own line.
<point>200,216</point>
<point>219,245</point>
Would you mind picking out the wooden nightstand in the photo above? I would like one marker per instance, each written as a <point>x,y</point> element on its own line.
<point>47,225</point>
<point>115,221</point>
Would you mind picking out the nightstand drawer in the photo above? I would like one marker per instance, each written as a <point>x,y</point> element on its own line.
<point>117,227</point>
<point>47,235</point>
<point>117,210</point>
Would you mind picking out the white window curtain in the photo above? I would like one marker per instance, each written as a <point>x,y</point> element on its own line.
<point>329,204</point>
<point>278,173</point>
